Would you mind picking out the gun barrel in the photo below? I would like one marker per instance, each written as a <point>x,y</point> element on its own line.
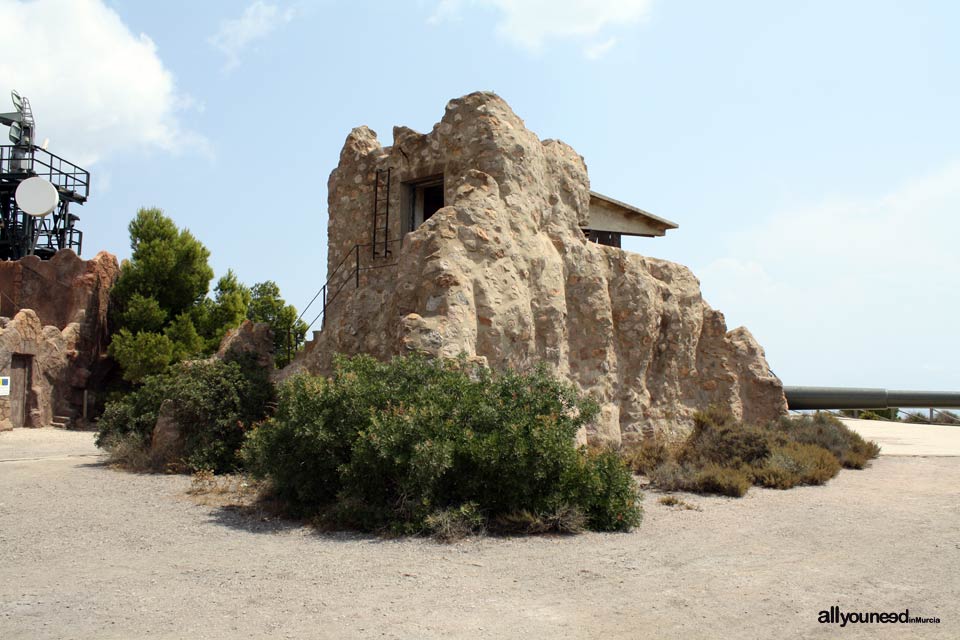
<point>858,398</point>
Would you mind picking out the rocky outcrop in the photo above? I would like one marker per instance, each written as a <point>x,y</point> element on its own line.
<point>250,337</point>
<point>59,326</point>
<point>504,274</point>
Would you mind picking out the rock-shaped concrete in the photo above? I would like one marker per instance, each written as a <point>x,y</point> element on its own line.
<point>53,315</point>
<point>504,274</point>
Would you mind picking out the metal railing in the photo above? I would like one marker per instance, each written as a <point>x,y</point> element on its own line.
<point>70,179</point>
<point>347,271</point>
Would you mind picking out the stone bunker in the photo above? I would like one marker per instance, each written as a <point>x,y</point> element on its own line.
<point>480,239</point>
<point>53,337</point>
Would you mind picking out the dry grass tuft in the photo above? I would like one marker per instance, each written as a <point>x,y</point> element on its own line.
<point>674,501</point>
<point>131,453</point>
<point>450,525</point>
<point>645,456</point>
<point>563,519</point>
<point>234,490</point>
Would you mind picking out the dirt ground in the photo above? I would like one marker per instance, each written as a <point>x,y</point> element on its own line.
<point>89,552</point>
<point>908,439</point>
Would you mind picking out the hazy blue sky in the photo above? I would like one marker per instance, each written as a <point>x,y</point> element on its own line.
<point>809,150</point>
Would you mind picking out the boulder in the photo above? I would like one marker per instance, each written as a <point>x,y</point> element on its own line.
<point>166,444</point>
<point>249,338</point>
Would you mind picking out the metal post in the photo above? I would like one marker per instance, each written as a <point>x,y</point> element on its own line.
<point>357,267</point>
<point>84,405</point>
<point>323,322</point>
<point>931,415</point>
<point>386,219</point>
<point>376,204</point>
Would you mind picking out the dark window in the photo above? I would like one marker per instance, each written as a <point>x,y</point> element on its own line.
<point>609,238</point>
<point>424,199</point>
<point>432,200</point>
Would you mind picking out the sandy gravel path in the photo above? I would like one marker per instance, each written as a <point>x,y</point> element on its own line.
<point>88,552</point>
<point>909,439</point>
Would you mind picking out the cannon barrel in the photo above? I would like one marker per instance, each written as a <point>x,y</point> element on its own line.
<point>854,398</point>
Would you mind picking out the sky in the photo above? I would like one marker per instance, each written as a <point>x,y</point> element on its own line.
<point>810,151</point>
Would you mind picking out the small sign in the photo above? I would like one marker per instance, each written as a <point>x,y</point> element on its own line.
<point>4,385</point>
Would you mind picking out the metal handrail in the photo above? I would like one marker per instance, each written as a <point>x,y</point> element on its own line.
<point>335,284</point>
<point>62,173</point>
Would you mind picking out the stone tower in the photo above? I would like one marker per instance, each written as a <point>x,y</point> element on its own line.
<point>477,241</point>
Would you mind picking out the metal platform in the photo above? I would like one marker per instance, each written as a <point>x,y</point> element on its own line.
<point>22,234</point>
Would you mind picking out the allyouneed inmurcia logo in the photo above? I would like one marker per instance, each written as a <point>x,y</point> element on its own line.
<point>834,615</point>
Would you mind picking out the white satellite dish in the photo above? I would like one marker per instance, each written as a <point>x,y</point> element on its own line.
<point>37,197</point>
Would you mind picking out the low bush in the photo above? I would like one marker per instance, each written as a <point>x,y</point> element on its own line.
<point>726,481</point>
<point>792,463</point>
<point>213,403</point>
<point>823,430</point>
<point>646,455</point>
<point>718,439</point>
<point>130,416</point>
<point>670,476</point>
<point>418,445</point>
<point>726,457</point>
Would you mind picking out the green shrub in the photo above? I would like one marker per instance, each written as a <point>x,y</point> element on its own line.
<point>143,314</point>
<point>601,487</point>
<point>405,446</point>
<point>133,413</point>
<point>214,403</point>
<point>141,354</point>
